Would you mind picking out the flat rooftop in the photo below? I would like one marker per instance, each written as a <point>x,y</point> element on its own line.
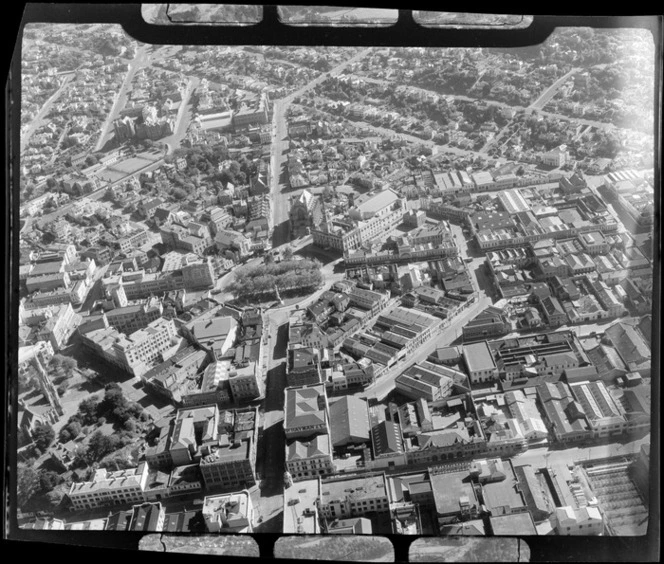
<point>306,491</point>
<point>478,356</point>
<point>448,490</point>
<point>368,487</point>
<point>515,524</point>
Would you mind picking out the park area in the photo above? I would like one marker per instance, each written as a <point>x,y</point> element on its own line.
<point>104,419</point>
<point>287,278</point>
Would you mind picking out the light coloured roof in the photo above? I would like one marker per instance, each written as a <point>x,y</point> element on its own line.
<point>350,420</point>
<point>378,202</point>
<point>314,447</point>
<point>478,357</point>
<point>218,327</point>
<point>305,407</point>
<point>365,487</point>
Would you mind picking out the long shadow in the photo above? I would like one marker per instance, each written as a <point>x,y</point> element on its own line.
<point>310,251</point>
<point>281,234</point>
<point>271,449</point>
<point>274,524</point>
<point>153,401</point>
<point>91,387</point>
<point>276,382</point>
<point>280,347</point>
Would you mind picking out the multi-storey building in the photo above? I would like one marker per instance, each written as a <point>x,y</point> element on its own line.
<point>172,378</point>
<point>252,112</point>
<point>231,462</point>
<point>133,317</point>
<point>216,335</point>
<point>345,498</point>
<point>212,388</point>
<point>311,457</point>
<point>303,367</point>
<point>148,517</point>
<point>364,222</point>
<point>603,413</point>
<point>633,194</point>
<point>141,285</point>
<point>368,299</point>
<point>178,237</point>
<point>491,322</point>
<point>426,380</point>
<point>479,362</point>
<point>306,411</point>
<point>135,352</point>
<point>307,430</point>
<point>54,323</point>
<point>566,418</point>
<point>133,241</point>
<point>229,513</point>
<point>245,380</point>
<point>110,488</point>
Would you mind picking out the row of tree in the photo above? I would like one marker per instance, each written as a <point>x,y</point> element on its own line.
<point>286,275</point>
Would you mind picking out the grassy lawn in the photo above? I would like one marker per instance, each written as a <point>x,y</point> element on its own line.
<point>80,388</point>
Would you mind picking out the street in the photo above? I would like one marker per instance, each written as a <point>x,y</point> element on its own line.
<point>38,121</point>
<point>184,117</point>
<point>96,195</point>
<point>279,184</point>
<point>551,91</point>
<point>121,97</point>
<point>545,456</point>
<point>547,94</point>
<point>385,384</point>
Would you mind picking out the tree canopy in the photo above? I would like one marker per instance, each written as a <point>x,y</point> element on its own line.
<point>43,436</point>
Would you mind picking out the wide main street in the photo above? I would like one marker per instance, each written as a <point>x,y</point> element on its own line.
<point>139,60</point>
<point>39,120</point>
<point>279,184</point>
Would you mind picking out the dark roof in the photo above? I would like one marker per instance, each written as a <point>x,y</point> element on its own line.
<point>119,521</point>
<point>146,517</point>
<point>178,522</point>
<point>386,437</point>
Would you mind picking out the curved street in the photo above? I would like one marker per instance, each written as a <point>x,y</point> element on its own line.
<point>38,121</point>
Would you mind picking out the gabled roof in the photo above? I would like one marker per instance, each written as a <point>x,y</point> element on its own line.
<point>351,420</point>
<point>629,344</point>
<point>386,438</point>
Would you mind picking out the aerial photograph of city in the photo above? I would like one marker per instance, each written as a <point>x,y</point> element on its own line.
<point>335,290</point>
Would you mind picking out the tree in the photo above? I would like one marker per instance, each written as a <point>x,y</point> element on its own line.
<point>43,437</point>
<point>101,445</point>
<point>48,479</point>
<point>70,431</point>
<point>179,194</point>
<point>63,366</point>
<point>88,410</point>
<point>288,253</point>
<point>27,482</point>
